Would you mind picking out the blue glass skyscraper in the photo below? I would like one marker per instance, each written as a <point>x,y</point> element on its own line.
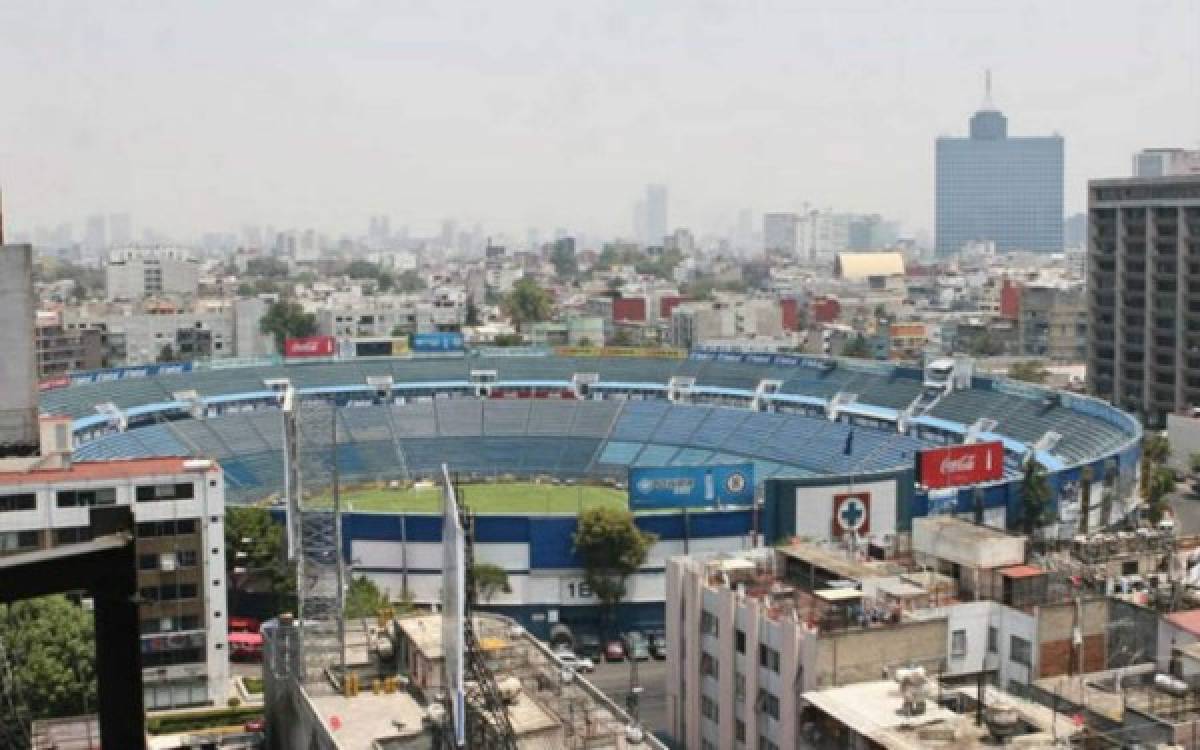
<point>993,187</point>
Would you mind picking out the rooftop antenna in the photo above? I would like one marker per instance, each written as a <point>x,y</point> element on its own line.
<point>987,89</point>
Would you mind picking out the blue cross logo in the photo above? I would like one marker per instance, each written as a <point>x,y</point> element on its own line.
<point>852,514</point>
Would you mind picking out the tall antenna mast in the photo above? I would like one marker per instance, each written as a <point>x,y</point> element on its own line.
<point>987,89</point>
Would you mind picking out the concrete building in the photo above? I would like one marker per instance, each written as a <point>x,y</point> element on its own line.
<point>821,235</point>
<point>1144,318</point>
<point>779,233</point>
<point>19,365</point>
<point>747,641</point>
<point>1166,162</point>
<point>1052,321</point>
<point>134,273</point>
<point>61,350</point>
<point>179,507</point>
<point>694,323</point>
<point>994,187</point>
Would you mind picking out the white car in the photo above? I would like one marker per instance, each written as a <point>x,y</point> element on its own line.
<point>574,663</point>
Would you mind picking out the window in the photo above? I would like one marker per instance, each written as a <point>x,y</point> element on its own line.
<point>147,562</point>
<point>166,528</point>
<point>185,558</point>
<point>708,623</point>
<point>768,657</point>
<point>993,640</point>
<point>158,492</point>
<point>12,541</point>
<point>168,592</point>
<point>708,708</point>
<point>739,685</point>
<point>72,535</point>
<point>1019,651</point>
<point>739,641</point>
<point>24,501</point>
<point>86,498</point>
<point>958,644</point>
<point>766,744</point>
<point>768,703</point>
<point>739,730</point>
<point>709,667</point>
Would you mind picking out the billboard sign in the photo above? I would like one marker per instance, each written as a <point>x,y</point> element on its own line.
<point>957,465</point>
<point>52,384</point>
<point>851,513</point>
<point>437,342</point>
<point>380,347</point>
<point>309,346</point>
<point>690,486</point>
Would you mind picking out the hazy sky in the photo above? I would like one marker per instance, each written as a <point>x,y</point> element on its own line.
<point>210,114</point>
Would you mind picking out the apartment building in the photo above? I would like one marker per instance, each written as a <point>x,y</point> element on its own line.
<point>1052,320</point>
<point>134,273</point>
<point>179,510</point>
<point>695,323</point>
<point>1143,315</point>
<point>61,349</point>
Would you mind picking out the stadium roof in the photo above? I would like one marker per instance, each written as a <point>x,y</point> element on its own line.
<point>859,266</point>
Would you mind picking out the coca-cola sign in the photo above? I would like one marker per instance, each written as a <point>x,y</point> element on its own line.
<point>960,464</point>
<point>309,346</point>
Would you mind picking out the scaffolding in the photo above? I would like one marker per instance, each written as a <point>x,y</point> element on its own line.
<point>314,532</point>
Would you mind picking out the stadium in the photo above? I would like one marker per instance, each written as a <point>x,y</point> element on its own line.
<point>535,436</point>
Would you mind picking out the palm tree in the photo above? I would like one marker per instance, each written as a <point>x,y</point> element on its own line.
<point>1085,499</point>
<point>1035,497</point>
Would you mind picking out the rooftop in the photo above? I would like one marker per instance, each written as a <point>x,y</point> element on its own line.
<point>1188,621</point>
<point>366,718</point>
<point>82,471</point>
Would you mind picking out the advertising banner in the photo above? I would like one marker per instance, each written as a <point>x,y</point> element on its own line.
<point>309,346</point>
<point>957,465</point>
<point>437,342</point>
<point>690,486</point>
<point>618,351</point>
<point>51,384</point>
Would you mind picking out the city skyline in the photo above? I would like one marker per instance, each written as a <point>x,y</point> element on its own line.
<point>223,116</point>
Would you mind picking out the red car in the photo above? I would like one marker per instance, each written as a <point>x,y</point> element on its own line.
<point>614,650</point>
<point>254,725</point>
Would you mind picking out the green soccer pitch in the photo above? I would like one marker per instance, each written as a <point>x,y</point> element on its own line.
<point>510,497</point>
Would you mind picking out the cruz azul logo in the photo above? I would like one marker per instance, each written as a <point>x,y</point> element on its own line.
<point>735,483</point>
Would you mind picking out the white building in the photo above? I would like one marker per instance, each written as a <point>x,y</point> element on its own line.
<point>134,273</point>
<point>695,323</point>
<point>179,510</point>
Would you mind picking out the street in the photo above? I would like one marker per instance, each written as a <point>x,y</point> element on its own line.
<point>613,679</point>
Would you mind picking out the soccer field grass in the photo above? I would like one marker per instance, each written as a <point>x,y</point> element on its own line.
<point>515,497</point>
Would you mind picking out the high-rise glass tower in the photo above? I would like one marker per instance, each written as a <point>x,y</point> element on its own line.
<point>991,186</point>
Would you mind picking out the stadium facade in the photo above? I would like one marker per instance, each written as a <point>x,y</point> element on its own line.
<point>816,430</point>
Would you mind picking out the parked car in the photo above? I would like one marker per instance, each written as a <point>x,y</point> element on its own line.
<point>574,663</point>
<point>636,646</point>
<point>658,646</point>
<point>589,647</point>
<point>614,650</point>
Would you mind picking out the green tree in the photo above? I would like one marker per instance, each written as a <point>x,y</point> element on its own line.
<point>254,552</point>
<point>1194,462</point>
<point>1031,371</point>
<point>364,598</point>
<point>527,302</point>
<point>507,339</point>
<point>612,548</point>
<point>1035,497</point>
<point>362,269</point>
<point>622,337</point>
<point>410,281</point>
<point>473,317</point>
<point>856,347</point>
<point>271,268</point>
<point>984,345</point>
<point>167,354</point>
<point>51,644</point>
<point>1158,488</point>
<point>1156,449</point>
<point>489,580</point>
<point>286,319</point>
<point>1086,477</point>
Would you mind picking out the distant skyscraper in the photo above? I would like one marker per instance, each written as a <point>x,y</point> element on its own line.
<point>779,233</point>
<point>120,230</point>
<point>656,214</point>
<point>993,187</point>
<point>95,235</point>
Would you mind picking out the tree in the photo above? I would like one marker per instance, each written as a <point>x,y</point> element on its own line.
<point>473,317</point>
<point>364,598</point>
<point>507,339</point>
<point>1159,487</point>
<point>267,267</point>
<point>856,347</point>
<point>410,281</point>
<point>254,551</point>
<point>167,354</point>
<point>984,345</point>
<point>612,548</point>
<point>489,580</point>
<point>1035,497</point>
<point>51,643</point>
<point>1156,449</point>
<point>286,319</point>
<point>1086,477</point>
<point>527,302</point>
<point>1031,371</point>
<point>1194,462</point>
<point>622,337</point>
<point>362,269</point>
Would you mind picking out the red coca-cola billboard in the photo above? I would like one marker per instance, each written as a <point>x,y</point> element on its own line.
<point>310,346</point>
<point>52,384</point>
<point>960,464</point>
